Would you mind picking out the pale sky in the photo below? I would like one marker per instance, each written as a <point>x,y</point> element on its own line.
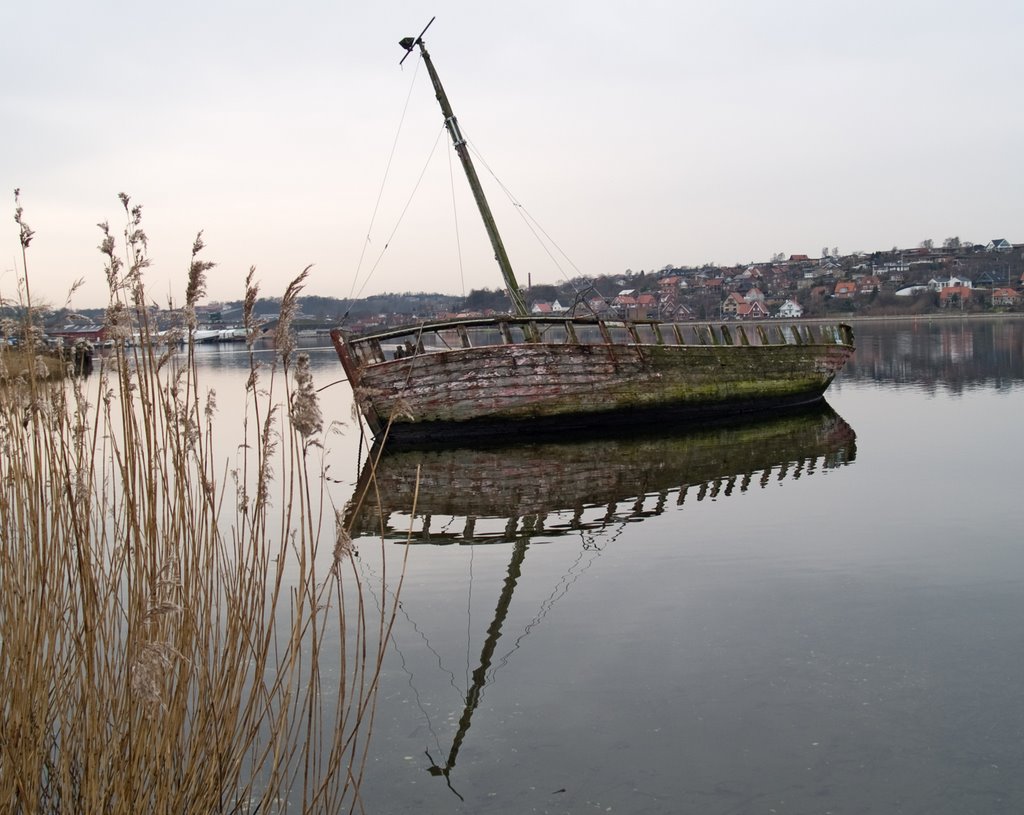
<point>636,134</point>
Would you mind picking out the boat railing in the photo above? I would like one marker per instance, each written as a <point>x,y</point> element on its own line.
<point>481,332</point>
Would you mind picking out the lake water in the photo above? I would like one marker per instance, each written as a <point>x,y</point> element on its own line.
<point>823,614</point>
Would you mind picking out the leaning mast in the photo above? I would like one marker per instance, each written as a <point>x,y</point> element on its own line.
<point>452,124</point>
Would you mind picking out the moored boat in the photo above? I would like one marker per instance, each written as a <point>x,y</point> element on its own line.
<point>205,336</point>
<point>512,374</point>
<point>497,376</point>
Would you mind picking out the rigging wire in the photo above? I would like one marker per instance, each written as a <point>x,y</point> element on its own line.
<point>401,216</point>
<point>563,587</point>
<point>455,215</point>
<point>532,223</point>
<point>369,572</point>
<point>384,180</point>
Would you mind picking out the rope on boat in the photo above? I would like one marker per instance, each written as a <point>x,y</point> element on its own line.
<point>387,172</point>
<point>534,226</point>
<point>354,293</point>
<point>398,222</point>
<point>455,216</point>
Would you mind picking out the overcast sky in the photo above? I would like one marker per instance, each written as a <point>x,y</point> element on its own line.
<point>635,134</point>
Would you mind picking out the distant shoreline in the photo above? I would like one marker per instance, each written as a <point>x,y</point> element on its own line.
<point>897,318</point>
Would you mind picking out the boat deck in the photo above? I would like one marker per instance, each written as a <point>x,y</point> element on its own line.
<point>447,335</point>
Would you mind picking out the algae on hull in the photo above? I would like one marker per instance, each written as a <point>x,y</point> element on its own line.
<point>437,382</point>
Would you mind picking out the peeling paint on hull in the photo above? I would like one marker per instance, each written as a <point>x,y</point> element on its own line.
<point>543,386</point>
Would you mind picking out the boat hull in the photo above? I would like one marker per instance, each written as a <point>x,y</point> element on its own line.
<point>551,387</point>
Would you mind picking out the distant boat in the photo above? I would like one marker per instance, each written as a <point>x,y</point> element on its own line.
<point>517,373</point>
<point>204,336</point>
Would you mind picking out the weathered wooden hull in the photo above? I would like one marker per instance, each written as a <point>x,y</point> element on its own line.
<point>548,386</point>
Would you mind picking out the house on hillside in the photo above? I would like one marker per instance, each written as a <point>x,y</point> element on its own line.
<point>679,311</point>
<point>553,308</point>
<point>845,289</point>
<point>869,284</point>
<point>1006,298</point>
<point>990,279</point>
<point>789,309</point>
<point>891,267</point>
<point>670,286</point>
<point>953,281</point>
<point>626,305</point>
<point>752,311</point>
<point>954,296</point>
<point>647,305</point>
<point>732,303</point>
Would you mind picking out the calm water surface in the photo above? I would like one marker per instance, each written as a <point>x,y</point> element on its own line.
<point>821,615</point>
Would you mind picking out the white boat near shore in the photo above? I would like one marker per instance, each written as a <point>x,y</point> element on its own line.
<point>203,336</point>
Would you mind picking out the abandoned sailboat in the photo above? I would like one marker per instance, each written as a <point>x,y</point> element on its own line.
<point>517,373</point>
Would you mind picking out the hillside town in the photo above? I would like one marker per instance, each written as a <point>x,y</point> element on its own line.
<point>960,276</point>
<point>975,277</point>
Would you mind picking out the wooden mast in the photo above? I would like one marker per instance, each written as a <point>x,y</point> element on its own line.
<point>450,122</point>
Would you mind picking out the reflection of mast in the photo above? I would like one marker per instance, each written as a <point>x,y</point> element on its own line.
<point>515,567</point>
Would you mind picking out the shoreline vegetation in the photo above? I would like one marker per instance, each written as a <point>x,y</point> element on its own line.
<point>16,363</point>
<point>178,633</point>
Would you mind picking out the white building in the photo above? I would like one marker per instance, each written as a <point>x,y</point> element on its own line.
<point>937,284</point>
<point>791,308</point>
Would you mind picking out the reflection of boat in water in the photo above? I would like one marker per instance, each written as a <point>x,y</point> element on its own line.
<point>569,487</point>
<point>554,488</point>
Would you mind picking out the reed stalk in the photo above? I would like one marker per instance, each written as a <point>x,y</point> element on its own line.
<point>164,617</point>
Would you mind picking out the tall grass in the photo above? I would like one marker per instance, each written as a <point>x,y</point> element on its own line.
<point>24,361</point>
<point>177,634</point>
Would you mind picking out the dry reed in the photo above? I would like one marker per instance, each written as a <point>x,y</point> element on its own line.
<point>163,619</point>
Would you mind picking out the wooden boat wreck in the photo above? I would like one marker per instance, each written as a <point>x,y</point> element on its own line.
<point>517,373</point>
<point>503,492</point>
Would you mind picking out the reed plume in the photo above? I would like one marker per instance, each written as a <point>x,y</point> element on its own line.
<point>162,626</point>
